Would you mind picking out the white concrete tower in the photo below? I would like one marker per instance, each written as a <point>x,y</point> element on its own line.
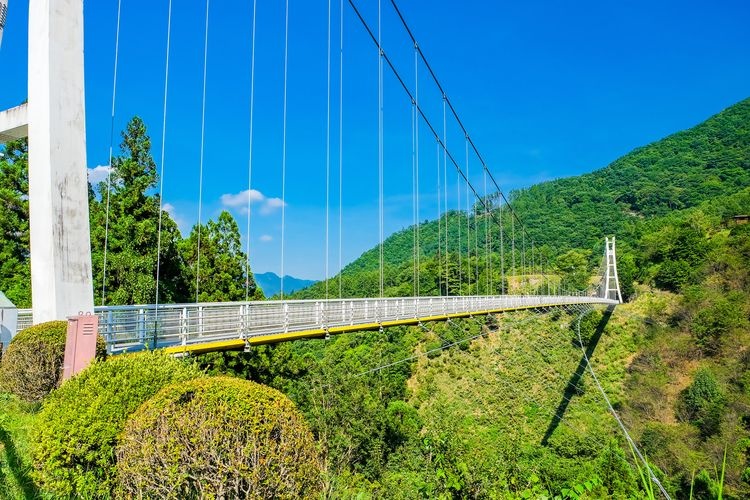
<point>58,194</point>
<point>611,283</point>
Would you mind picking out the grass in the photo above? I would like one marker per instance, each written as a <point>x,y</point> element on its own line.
<point>16,420</point>
<point>518,401</point>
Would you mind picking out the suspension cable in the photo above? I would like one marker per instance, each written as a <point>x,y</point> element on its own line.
<point>250,152</point>
<point>468,220</point>
<point>203,144</point>
<point>341,143</point>
<point>445,195</point>
<point>524,271</point>
<point>111,147</point>
<point>452,109</point>
<point>415,279</point>
<point>502,251</point>
<point>161,174</point>
<point>458,213</point>
<point>283,146</point>
<point>582,312</point>
<point>513,248</point>
<point>328,146</point>
<point>416,161</point>
<point>439,217</point>
<point>488,241</point>
<point>380,147</point>
<point>422,114</point>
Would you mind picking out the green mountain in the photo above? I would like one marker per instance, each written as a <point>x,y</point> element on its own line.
<point>680,171</point>
<point>270,283</point>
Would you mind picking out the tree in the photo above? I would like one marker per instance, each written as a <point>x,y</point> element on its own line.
<point>15,264</point>
<point>133,236</point>
<point>573,267</point>
<point>224,273</point>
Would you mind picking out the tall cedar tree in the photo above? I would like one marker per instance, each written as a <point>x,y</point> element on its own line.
<point>133,235</point>
<point>15,271</point>
<point>222,262</point>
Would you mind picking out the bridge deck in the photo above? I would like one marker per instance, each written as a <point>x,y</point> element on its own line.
<point>196,328</point>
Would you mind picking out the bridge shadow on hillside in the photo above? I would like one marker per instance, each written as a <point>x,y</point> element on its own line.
<point>573,386</point>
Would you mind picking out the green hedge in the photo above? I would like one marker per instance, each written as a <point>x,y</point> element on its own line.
<point>218,437</point>
<point>32,365</point>
<point>79,424</point>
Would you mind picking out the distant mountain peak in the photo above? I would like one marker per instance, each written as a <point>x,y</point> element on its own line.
<point>270,283</point>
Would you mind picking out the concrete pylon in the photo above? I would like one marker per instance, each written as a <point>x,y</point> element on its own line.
<point>611,288</point>
<point>61,282</point>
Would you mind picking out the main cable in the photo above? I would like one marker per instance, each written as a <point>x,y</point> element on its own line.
<point>452,109</point>
<point>422,114</point>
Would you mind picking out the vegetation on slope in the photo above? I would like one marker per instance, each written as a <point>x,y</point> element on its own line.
<point>707,162</point>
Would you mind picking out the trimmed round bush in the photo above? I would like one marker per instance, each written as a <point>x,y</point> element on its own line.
<point>78,427</point>
<point>218,437</point>
<point>32,365</point>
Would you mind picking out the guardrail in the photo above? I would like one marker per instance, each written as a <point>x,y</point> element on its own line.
<point>128,328</point>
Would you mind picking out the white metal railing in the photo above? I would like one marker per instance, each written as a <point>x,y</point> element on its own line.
<point>133,327</point>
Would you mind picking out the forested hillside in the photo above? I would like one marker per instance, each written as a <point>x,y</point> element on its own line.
<point>683,170</point>
<point>513,412</point>
<point>500,406</point>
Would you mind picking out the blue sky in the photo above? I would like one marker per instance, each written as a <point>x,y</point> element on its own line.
<point>546,89</point>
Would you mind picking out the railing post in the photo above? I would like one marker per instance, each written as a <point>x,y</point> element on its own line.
<point>286,317</point>
<point>200,321</point>
<point>141,322</point>
<point>184,325</point>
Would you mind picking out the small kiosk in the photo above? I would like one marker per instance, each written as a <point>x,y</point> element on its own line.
<point>8,321</point>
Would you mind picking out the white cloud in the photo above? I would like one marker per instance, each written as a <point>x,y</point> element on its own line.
<point>240,200</point>
<point>266,238</point>
<point>169,208</point>
<point>98,174</point>
<point>271,205</point>
<point>172,211</point>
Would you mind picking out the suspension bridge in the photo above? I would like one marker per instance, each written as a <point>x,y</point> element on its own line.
<point>62,284</point>
<point>61,264</point>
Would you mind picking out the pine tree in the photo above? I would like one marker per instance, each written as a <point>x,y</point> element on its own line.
<point>15,270</point>
<point>222,262</point>
<point>133,233</point>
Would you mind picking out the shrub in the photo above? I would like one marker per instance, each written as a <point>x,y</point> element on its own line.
<point>585,326</point>
<point>218,437</point>
<point>702,403</point>
<point>713,322</point>
<point>78,426</point>
<point>32,365</point>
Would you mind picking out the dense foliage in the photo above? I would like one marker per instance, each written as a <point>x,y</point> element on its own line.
<point>705,163</point>
<point>218,437</point>
<point>497,406</point>
<point>126,222</point>
<point>32,365</point>
<point>15,270</point>
<point>79,425</point>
